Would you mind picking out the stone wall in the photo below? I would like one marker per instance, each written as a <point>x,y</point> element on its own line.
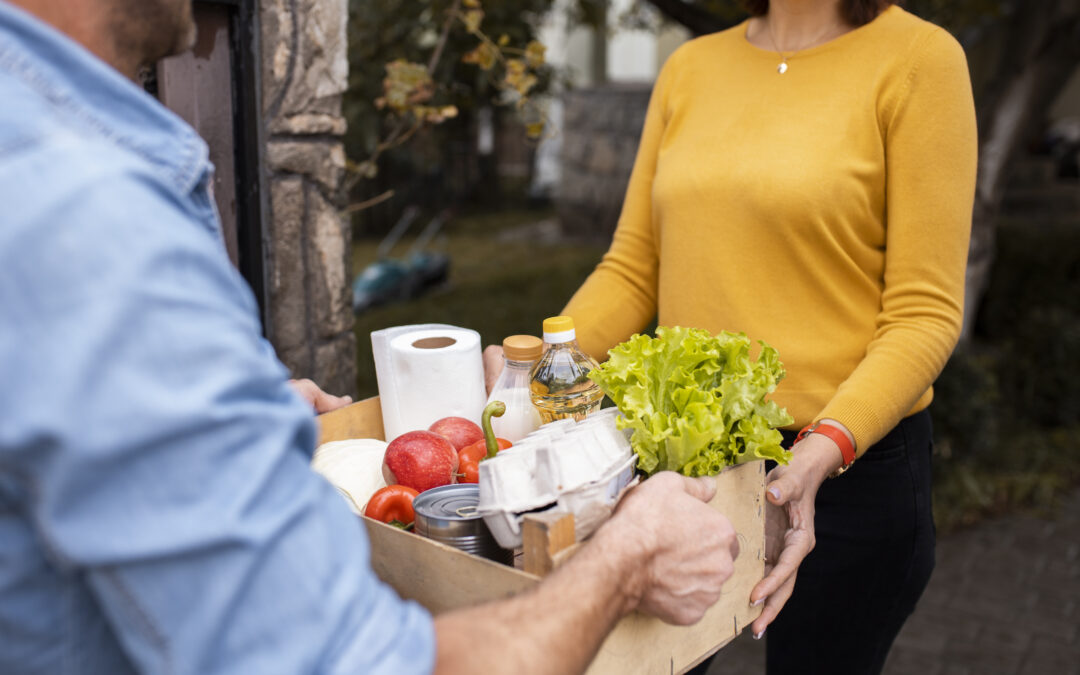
<point>600,134</point>
<point>304,73</point>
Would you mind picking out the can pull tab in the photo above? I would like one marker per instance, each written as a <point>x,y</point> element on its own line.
<point>466,511</point>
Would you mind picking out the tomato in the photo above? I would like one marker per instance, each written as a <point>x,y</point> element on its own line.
<point>393,502</point>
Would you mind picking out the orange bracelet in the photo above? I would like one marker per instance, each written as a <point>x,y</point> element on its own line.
<point>847,449</point>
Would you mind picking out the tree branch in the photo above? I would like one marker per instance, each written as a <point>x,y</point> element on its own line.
<point>437,54</point>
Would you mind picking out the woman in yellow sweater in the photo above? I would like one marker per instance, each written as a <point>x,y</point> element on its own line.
<point>807,178</point>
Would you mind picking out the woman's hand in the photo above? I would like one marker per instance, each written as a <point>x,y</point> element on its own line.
<point>493,365</point>
<point>789,522</point>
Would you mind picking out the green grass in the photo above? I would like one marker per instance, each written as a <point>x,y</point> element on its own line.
<point>1027,470</point>
<point>497,287</point>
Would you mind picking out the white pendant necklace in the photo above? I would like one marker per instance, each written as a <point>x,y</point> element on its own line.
<point>782,67</point>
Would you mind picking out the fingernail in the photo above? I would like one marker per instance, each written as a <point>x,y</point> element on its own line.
<point>757,602</point>
<point>774,492</point>
<point>757,636</point>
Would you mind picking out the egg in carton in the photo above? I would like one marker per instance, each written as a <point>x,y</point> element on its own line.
<point>580,468</point>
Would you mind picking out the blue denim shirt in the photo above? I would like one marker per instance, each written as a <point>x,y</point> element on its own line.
<point>157,512</point>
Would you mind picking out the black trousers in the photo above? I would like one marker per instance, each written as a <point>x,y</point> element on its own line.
<point>873,558</point>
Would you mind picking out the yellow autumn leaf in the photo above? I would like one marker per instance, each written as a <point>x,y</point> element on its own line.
<point>484,56</point>
<point>525,84</point>
<point>471,4</point>
<point>534,54</point>
<point>534,130</point>
<point>504,40</point>
<point>515,68</point>
<point>406,84</point>
<point>472,20</point>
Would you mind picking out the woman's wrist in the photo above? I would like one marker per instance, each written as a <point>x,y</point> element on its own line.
<point>818,455</point>
<point>843,429</point>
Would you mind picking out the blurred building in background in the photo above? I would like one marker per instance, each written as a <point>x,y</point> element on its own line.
<point>597,117</point>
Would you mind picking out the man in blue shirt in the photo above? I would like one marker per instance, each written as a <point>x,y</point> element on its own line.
<point>157,512</point>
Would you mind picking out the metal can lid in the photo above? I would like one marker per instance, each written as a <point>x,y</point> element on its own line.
<point>449,511</point>
<point>449,502</point>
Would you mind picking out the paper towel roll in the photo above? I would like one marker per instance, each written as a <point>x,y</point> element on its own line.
<point>426,372</point>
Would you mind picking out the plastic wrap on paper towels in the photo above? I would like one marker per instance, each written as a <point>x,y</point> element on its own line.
<point>579,468</point>
<point>426,372</point>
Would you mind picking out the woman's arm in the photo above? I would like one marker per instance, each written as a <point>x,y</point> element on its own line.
<point>930,152</point>
<point>931,145</point>
<point>619,297</point>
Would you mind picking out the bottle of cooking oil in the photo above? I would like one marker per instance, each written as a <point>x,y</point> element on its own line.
<point>559,384</point>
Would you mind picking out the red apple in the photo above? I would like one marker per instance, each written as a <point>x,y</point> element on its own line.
<point>421,460</point>
<point>458,430</point>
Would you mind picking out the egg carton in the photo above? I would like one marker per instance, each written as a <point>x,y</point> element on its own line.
<point>578,467</point>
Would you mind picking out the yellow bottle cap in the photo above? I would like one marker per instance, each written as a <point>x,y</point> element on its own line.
<point>558,329</point>
<point>558,324</point>
<point>523,347</point>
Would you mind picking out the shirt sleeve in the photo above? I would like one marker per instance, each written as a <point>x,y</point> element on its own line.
<point>931,148</point>
<point>164,458</point>
<point>620,297</point>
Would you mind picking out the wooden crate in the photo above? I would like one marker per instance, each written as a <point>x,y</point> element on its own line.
<point>443,578</point>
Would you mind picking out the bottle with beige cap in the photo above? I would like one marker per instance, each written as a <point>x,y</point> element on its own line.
<point>559,382</point>
<point>520,352</point>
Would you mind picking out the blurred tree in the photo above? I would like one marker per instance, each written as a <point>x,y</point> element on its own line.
<point>422,67</point>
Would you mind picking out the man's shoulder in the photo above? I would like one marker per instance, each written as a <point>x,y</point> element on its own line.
<point>24,118</point>
<point>45,150</point>
<point>51,167</point>
<point>75,196</point>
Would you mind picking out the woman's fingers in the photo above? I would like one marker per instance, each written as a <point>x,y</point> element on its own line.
<point>798,544</point>
<point>493,365</point>
<point>784,489</point>
<point>772,607</point>
<point>790,494</point>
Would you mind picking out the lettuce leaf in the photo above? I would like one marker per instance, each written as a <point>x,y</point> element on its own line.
<point>696,401</point>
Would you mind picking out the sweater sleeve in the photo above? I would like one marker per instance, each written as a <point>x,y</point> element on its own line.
<point>930,149</point>
<point>619,297</point>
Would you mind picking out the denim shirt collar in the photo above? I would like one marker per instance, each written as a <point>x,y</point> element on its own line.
<point>99,99</point>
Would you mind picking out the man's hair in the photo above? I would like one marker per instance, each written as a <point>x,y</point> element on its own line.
<point>855,12</point>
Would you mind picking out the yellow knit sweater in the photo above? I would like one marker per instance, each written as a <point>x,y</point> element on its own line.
<point>825,211</point>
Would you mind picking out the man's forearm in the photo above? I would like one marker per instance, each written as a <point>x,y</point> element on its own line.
<point>556,628</point>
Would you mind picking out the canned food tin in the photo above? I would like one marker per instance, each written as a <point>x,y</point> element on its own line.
<point>448,515</point>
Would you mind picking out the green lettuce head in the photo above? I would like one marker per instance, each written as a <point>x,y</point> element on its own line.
<point>695,401</point>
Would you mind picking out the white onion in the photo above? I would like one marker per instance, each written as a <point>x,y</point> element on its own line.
<point>354,467</point>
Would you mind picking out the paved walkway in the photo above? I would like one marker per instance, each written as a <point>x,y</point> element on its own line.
<point>1004,600</point>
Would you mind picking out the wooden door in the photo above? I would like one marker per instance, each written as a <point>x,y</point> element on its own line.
<point>214,87</point>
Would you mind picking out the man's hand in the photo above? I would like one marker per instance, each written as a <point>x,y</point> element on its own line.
<point>664,551</point>
<point>319,399</point>
<point>683,550</point>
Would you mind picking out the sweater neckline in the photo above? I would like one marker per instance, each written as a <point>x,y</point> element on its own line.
<point>839,40</point>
